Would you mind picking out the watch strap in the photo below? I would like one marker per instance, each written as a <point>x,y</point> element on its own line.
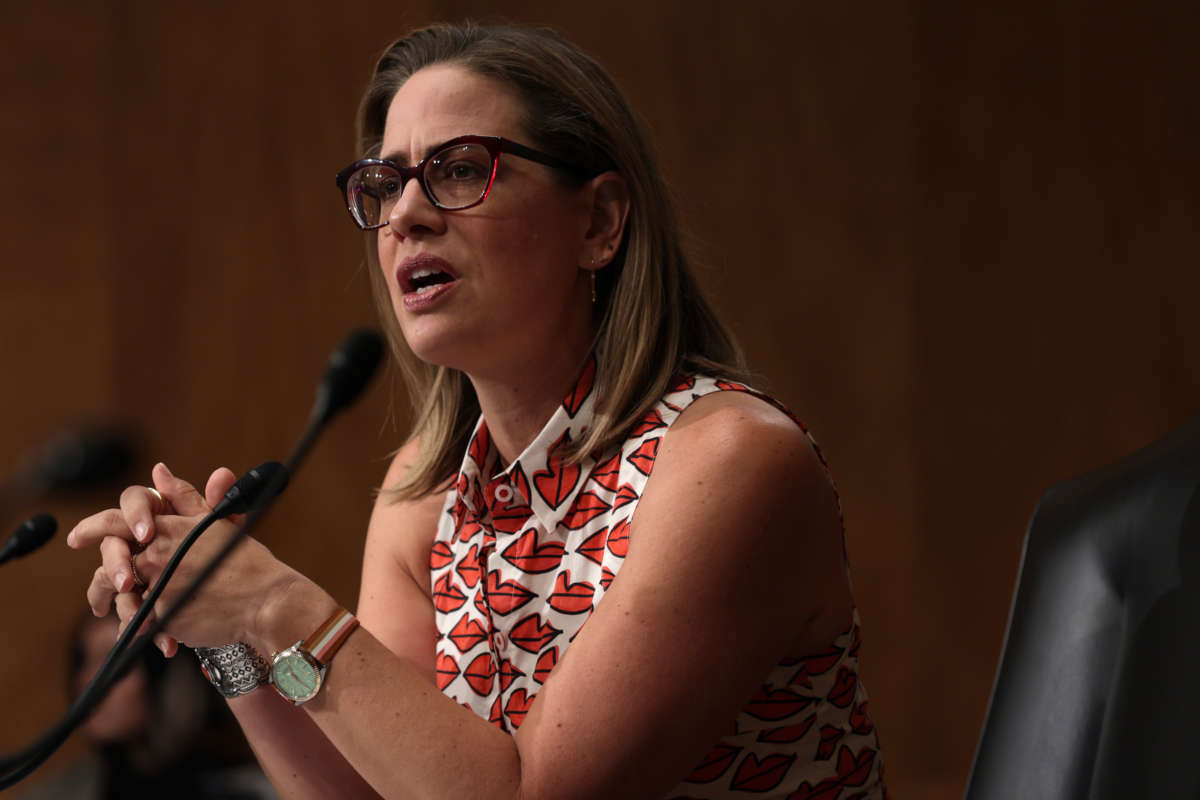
<point>326,640</point>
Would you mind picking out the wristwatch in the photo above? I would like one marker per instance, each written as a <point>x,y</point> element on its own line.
<point>298,672</point>
<point>234,669</point>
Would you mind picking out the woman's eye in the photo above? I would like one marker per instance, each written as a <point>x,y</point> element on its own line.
<point>461,170</point>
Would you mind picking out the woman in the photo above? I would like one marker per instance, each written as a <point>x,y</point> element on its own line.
<point>569,374</point>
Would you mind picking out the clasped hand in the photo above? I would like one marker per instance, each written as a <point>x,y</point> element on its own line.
<point>223,610</point>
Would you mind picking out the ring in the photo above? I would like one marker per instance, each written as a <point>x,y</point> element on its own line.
<point>161,502</point>
<point>138,581</point>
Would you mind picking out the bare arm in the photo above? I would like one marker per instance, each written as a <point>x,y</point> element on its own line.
<point>735,561</point>
<point>396,608</point>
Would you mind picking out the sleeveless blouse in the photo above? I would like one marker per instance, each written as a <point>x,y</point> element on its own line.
<point>522,556</point>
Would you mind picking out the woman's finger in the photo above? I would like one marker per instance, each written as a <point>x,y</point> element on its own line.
<point>139,506</point>
<point>100,593</point>
<point>92,530</point>
<point>221,480</point>
<point>182,496</point>
<point>115,560</point>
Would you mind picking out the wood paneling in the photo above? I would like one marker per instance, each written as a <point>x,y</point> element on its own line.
<point>957,239</point>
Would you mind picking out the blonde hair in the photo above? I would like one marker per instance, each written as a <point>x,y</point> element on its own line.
<point>654,321</point>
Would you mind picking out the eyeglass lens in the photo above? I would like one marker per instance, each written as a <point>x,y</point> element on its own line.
<point>456,177</point>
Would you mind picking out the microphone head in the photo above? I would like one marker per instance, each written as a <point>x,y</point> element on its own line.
<point>32,534</point>
<point>254,490</point>
<point>350,368</point>
<point>81,459</point>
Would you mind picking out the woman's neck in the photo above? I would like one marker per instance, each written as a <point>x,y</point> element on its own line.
<point>518,405</point>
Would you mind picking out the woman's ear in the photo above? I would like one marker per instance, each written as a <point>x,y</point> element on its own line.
<point>609,213</point>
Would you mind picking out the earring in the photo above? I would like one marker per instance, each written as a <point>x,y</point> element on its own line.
<point>593,287</point>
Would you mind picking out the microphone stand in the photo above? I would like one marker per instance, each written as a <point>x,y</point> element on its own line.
<point>351,367</point>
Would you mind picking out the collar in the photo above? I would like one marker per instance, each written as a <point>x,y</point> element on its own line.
<point>537,482</point>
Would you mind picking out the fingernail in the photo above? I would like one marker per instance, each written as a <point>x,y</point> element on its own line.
<point>119,581</point>
<point>166,470</point>
<point>141,529</point>
<point>71,538</point>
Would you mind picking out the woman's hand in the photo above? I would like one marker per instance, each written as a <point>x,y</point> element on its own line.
<point>222,611</point>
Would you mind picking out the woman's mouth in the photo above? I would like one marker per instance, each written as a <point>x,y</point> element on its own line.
<point>424,280</point>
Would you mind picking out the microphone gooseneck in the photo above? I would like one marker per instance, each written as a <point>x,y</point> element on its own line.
<point>29,536</point>
<point>350,369</point>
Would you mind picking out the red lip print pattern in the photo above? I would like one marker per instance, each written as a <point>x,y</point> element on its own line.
<point>643,458</point>
<point>496,716</point>
<point>528,555</point>
<point>860,720</point>
<point>681,383</point>
<point>776,704</point>
<point>505,597</point>
<point>556,482</point>
<point>830,736</point>
<point>714,765</point>
<point>854,770</point>
<point>508,674</point>
<point>447,670</point>
<point>583,387</point>
<point>517,706</point>
<point>651,422</point>
<point>468,567</point>
<point>440,555</point>
<point>618,539</point>
<point>571,598</point>
<point>625,496</point>
<point>480,673</point>
<point>814,665</point>
<point>545,663</point>
<point>754,775</point>
<point>481,442</point>
<point>563,536</point>
<point>511,518</point>
<point>586,508</point>
<point>788,733</point>
<point>593,546</point>
<point>466,634</point>
<point>531,634</point>
<point>447,597</point>
<point>843,691</point>
<point>608,473</point>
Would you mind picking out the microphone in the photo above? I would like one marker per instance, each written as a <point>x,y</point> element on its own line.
<point>32,534</point>
<point>79,459</point>
<point>350,369</point>
<point>254,490</point>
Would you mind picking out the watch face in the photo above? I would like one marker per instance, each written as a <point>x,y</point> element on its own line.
<point>295,677</point>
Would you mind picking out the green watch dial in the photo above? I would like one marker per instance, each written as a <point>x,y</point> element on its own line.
<point>295,677</point>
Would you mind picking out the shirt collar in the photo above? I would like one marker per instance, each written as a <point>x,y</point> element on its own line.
<point>537,482</point>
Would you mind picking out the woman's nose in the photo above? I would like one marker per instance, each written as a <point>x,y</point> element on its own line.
<point>413,211</point>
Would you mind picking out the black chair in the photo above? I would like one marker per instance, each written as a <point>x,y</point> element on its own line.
<point>1098,691</point>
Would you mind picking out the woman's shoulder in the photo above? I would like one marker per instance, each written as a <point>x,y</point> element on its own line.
<point>711,421</point>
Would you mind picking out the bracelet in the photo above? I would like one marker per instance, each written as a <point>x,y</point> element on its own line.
<point>234,669</point>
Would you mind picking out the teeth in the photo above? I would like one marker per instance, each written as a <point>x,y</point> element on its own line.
<point>428,288</point>
<point>423,273</point>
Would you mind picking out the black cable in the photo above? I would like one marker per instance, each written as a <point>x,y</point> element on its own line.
<point>350,368</point>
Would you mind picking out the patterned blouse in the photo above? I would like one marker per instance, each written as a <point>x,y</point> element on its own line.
<point>522,557</point>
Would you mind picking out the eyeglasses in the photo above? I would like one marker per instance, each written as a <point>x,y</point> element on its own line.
<point>457,176</point>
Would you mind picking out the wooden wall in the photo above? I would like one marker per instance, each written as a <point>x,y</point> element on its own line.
<point>958,239</point>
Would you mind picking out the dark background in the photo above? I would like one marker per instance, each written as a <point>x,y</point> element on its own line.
<point>957,239</point>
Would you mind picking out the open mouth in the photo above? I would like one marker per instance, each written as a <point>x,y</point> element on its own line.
<point>425,279</point>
